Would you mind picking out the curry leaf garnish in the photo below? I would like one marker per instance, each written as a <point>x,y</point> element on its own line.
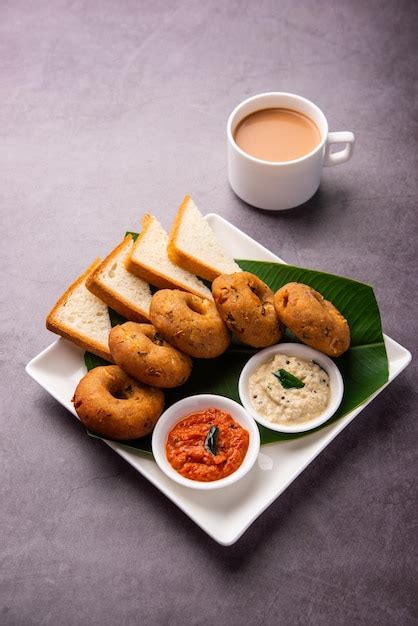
<point>287,380</point>
<point>212,439</point>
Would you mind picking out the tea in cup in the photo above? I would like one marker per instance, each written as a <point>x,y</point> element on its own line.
<point>278,144</point>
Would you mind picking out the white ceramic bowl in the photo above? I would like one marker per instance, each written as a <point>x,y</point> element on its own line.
<point>304,352</point>
<point>194,404</point>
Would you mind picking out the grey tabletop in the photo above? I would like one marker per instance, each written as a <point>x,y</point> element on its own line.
<point>108,109</point>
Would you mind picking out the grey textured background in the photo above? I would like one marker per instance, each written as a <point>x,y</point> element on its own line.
<point>108,109</point>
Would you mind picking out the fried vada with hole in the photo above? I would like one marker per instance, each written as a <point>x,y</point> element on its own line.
<point>314,320</point>
<point>190,323</point>
<point>245,303</point>
<point>115,406</point>
<point>141,352</point>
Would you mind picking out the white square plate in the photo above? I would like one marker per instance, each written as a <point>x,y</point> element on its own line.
<point>227,513</point>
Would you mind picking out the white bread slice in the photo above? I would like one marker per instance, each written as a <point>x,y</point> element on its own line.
<point>150,262</point>
<point>82,318</point>
<point>122,291</point>
<point>193,245</point>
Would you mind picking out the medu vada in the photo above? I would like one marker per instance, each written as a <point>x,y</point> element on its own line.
<point>245,303</point>
<point>192,324</point>
<point>314,320</point>
<point>141,352</point>
<point>116,406</point>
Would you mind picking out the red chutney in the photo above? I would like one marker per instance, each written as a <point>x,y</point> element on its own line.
<point>186,450</point>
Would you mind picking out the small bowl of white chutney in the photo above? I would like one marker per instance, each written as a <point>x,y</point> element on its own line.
<point>291,388</point>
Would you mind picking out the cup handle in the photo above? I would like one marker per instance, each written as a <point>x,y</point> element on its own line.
<point>334,158</point>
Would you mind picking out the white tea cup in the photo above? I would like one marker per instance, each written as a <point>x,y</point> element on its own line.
<point>276,186</point>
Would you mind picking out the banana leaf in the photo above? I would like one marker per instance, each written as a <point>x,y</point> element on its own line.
<point>364,367</point>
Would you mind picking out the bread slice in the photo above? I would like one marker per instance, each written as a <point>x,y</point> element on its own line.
<point>149,261</point>
<point>81,317</point>
<point>193,245</point>
<point>122,291</point>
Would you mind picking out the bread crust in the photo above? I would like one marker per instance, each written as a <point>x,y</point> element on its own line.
<point>79,341</point>
<point>102,291</point>
<point>75,337</point>
<point>151,275</point>
<point>184,259</point>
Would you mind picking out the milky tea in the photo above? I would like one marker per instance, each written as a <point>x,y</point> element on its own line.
<point>277,135</point>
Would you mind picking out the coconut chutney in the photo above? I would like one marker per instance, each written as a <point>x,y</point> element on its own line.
<point>281,404</point>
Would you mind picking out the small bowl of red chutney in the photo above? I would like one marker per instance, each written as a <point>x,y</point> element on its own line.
<point>206,442</point>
